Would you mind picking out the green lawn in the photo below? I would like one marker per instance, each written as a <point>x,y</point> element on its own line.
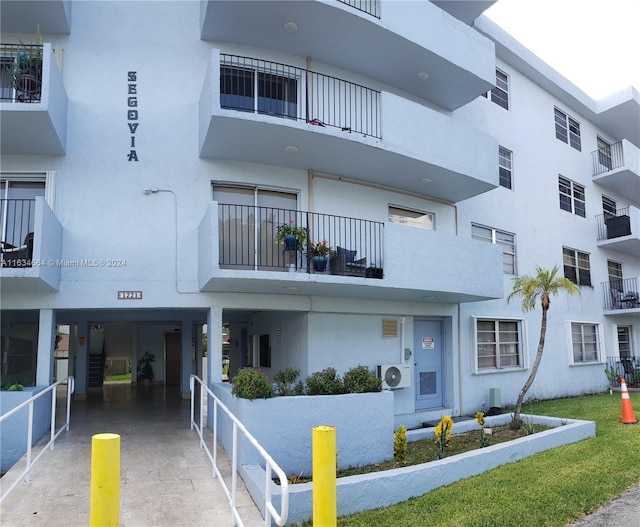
<point>552,488</point>
<point>124,377</point>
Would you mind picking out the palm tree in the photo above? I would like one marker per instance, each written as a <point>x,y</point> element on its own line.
<point>544,284</point>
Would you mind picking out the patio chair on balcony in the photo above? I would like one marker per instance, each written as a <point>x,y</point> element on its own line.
<point>344,263</point>
<point>13,256</point>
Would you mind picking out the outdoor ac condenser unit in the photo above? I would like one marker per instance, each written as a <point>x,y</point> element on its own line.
<point>394,376</point>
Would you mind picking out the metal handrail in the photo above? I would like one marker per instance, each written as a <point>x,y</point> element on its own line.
<point>270,466</point>
<point>54,435</point>
<point>607,158</point>
<point>367,6</point>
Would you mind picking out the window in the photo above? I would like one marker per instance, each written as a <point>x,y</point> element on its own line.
<point>624,342</point>
<point>422,220</point>
<point>584,342</point>
<point>6,88</point>
<point>248,218</point>
<point>18,207</point>
<point>576,266</point>
<point>572,197</point>
<point>506,239</point>
<point>504,164</point>
<point>567,129</point>
<point>499,344</point>
<point>247,88</point>
<point>604,153</point>
<point>500,94</point>
<point>609,207</point>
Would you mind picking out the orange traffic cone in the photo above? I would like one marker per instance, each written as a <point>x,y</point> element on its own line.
<point>628,417</point>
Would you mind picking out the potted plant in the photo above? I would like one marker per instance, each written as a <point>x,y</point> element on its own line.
<point>145,367</point>
<point>26,70</point>
<point>319,251</point>
<point>291,236</point>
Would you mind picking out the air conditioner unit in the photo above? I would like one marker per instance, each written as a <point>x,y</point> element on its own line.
<point>394,376</point>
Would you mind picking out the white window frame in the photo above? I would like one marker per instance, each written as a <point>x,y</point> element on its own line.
<point>494,239</point>
<point>500,94</point>
<point>576,194</point>
<point>411,217</point>
<point>505,162</point>
<point>599,342</point>
<point>576,265</point>
<point>567,129</point>
<point>523,352</point>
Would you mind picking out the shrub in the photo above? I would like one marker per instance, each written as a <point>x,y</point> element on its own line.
<point>325,382</point>
<point>252,383</point>
<point>361,380</point>
<point>286,382</point>
<point>400,444</point>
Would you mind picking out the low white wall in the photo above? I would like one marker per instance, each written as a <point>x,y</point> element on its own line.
<point>384,488</point>
<point>283,426</point>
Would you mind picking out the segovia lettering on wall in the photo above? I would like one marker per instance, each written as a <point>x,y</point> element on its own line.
<point>132,112</point>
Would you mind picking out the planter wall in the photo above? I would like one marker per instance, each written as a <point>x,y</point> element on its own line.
<point>13,431</point>
<point>283,425</point>
<point>384,488</point>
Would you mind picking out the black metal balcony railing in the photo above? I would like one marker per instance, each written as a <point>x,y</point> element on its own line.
<point>607,158</point>
<point>613,226</point>
<point>627,367</point>
<point>248,239</point>
<point>368,6</point>
<point>621,293</point>
<point>260,86</point>
<point>20,72</point>
<point>16,245</point>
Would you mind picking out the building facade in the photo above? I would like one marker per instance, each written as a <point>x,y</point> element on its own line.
<point>157,156</point>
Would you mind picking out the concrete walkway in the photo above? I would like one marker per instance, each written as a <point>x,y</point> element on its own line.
<point>166,478</point>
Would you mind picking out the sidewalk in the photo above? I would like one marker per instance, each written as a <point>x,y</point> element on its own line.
<point>166,478</point>
<point>623,510</point>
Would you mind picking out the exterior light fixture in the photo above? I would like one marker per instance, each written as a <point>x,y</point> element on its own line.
<point>426,180</point>
<point>291,27</point>
<point>290,149</point>
<point>423,75</point>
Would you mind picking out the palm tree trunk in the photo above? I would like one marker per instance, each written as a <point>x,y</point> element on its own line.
<point>515,422</point>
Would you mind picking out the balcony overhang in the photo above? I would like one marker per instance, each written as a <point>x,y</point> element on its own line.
<point>625,179</point>
<point>465,10</point>
<point>460,62</point>
<point>45,270</point>
<point>52,16</point>
<point>37,128</point>
<point>460,270</point>
<point>628,243</point>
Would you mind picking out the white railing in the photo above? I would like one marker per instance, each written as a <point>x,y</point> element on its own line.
<point>271,465</point>
<point>54,434</point>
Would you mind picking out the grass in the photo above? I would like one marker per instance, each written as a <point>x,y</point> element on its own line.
<point>124,377</point>
<point>552,488</point>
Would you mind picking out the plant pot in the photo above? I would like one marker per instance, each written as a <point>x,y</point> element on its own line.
<point>319,263</point>
<point>290,242</point>
<point>28,81</point>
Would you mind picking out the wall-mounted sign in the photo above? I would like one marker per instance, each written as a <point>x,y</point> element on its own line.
<point>82,341</point>
<point>428,343</point>
<point>132,112</point>
<point>129,295</point>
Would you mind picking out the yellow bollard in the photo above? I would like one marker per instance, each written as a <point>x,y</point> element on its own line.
<point>105,481</point>
<point>324,476</point>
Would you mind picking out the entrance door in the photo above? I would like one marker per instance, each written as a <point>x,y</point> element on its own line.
<point>428,351</point>
<point>172,346</point>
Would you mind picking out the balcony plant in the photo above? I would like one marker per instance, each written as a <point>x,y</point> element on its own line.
<point>26,70</point>
<point>291,236</point>
<point>319,251</point>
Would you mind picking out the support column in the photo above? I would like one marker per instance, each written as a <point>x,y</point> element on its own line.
<point>186,357</point>
<point>214,345</point>
<point>46,345</point>
<point>82,359</point>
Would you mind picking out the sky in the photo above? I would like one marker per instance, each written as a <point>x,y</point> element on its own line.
<point>593,43</point>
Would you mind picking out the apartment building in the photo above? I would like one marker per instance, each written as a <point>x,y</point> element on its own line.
<point>155,160</point>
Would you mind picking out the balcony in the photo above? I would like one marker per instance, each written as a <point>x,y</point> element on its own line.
<point>33,106</point>
<point>620,233</point>
<point>31,246</point>
<point>617,167</point>
<point>52,16</point>
<point>295,118</point>
<point>437,58</point>
<point>240,252</point>
<point>621,296</point>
